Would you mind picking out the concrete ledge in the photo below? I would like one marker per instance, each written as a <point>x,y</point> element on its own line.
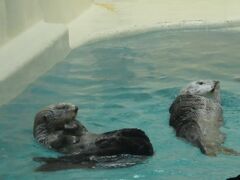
<point>110,17</point>
<point>30,55</point>
<point>16,16</point>
<point>63,11</point>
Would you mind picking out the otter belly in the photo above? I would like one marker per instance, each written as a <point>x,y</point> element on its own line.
<point>210,120</point>
<point>197,120</point>
<point>123,141</point>
<point>86,143</point>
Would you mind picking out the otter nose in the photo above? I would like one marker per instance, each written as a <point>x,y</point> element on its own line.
<point>216,82</point>
<point>76,109</point>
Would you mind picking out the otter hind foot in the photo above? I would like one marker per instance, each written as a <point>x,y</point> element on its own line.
<point>213,151</point>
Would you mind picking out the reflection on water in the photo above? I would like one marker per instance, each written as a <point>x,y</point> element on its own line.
<point>131,82</point>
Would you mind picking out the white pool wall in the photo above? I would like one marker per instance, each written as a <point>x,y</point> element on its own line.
<point>18,15</point>
<point>36,34</point>
<point>33,37</point>
<point>110,17</point>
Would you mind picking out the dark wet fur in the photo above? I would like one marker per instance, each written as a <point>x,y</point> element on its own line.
<point>234,178</point>
<point>124,141</point>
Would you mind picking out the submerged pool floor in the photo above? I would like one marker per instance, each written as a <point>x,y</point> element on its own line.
<point>131,82</point>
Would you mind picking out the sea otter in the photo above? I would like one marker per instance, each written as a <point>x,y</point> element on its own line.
<point>196,116</point>
<point>234,178</point>
<point>56,128</point>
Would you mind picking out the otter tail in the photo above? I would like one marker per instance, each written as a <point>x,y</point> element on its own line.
<point>87,161</point>
<point>44,159</point>
<point>229,151</point>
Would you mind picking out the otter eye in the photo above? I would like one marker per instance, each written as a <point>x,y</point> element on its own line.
<point>200,83</point>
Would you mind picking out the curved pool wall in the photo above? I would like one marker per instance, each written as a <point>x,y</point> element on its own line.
<point>36,34</point>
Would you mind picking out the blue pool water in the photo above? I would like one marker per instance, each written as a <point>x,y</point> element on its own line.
<point>130,82</point>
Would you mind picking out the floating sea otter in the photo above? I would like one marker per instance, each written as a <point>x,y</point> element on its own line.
<point>56,128</point>
<point>196,115</point>
<point>234,178</point>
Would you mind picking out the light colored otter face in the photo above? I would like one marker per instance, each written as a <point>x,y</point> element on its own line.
<point>56,116</point>
<point>206,88</point>
<point>53,117</point>
<point>63,112</point>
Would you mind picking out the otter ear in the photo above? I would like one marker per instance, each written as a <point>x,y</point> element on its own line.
<point>45,118</point>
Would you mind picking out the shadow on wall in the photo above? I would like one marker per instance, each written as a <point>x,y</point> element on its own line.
<point>18,15</point>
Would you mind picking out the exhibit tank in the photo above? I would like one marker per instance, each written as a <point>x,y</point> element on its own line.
<point>131,81</point>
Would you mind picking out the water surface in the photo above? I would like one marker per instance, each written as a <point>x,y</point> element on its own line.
<point>131,82</point>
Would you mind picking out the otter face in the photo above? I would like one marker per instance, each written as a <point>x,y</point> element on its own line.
<point>63,112</point>
<point>52,121</point>
<point>56,116</point>
<point>206,88</point>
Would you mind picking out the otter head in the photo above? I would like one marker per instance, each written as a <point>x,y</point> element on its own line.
<point>56,116</point>
<point>207,88</point>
